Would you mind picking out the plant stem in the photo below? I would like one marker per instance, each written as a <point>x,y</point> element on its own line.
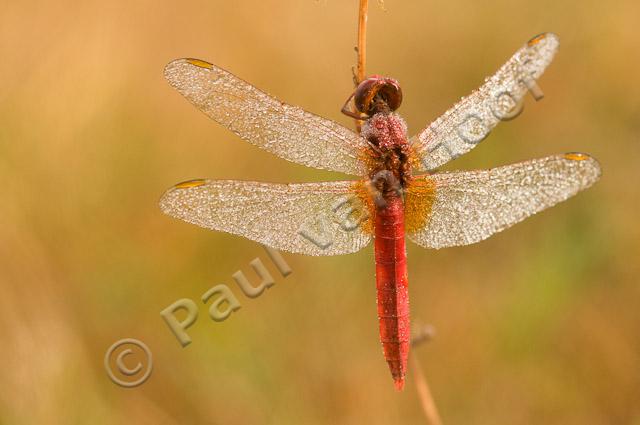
<point>361,48</point>
<point>424,393</point>
<point>362,40</point>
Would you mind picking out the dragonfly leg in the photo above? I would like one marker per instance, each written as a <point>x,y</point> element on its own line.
<point>350,113</point>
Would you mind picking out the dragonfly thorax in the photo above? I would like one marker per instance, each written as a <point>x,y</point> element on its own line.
<point>389,150</point>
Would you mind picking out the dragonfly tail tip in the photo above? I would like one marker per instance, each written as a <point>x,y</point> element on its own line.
<point>399,382</point>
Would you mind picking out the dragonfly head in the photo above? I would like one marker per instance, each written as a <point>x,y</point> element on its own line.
<point>377,94</point>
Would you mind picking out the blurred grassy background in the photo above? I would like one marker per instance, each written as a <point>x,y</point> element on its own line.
<point>539,324</point>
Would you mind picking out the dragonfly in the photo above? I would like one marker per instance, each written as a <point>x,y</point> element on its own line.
<point>399,193</point>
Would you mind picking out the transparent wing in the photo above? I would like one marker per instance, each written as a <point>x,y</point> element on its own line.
<point>309,218</point>
<point>284,130</point>
<point>466,207</point>
<point>465,125</point>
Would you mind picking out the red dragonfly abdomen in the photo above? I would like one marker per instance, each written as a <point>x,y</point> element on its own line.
<point>393,286</point>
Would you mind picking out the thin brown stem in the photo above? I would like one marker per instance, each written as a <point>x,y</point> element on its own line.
<point>361,49</point>
<point>362,40</point>
<point>424,393</point>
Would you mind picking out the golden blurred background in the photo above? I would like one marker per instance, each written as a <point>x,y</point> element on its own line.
<point>539,324</point>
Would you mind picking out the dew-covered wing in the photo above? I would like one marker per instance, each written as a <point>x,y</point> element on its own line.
<point>324,218</point>
<point>470,120</point>
<point>461,208</point>
<point>284,130</point>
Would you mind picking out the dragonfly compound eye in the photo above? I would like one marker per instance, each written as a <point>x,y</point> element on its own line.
<point>376,93</point>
